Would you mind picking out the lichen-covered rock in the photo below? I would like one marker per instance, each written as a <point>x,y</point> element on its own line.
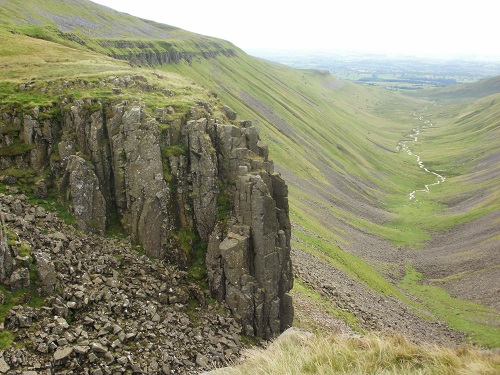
<point>46,272</point>
<point>7,262</point>
<point>231,115</point>
<point>19,279</point>
<point>86,120</point>
<point>83,189</point>
<point>141,192</point>
<point>203,175</point>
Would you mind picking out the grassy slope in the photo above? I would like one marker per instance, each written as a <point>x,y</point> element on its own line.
<point>318,135</point>
<point>334,142</point>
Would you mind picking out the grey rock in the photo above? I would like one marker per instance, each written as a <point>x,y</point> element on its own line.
<point>141,192</point>
<point>46,272</point>
<point>249,266</point>
<point>4,367</point>
<point>98,348</point>
<point>83,188</point>
<point>201,360</point>
<point>231,115</point>
<point>204,174</point>
<point>20,279</point>
<point>61,355</point>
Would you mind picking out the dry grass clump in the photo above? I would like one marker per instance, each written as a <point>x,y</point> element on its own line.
<point>299,353</point>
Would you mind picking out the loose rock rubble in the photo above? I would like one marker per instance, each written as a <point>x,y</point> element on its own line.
<point>108,309</point>
<point>373,311</point>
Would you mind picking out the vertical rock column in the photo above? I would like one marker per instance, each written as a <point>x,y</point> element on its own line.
<point>249,264</point>
<point>204,173</point>
<point>141,193</point>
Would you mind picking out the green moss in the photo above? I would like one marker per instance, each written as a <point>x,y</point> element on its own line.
<point>114,227</point>
<point>197,271</point>
<point>6,339</point>
<point>24,250</point>
<point>174,150</point>
<point>223,204</point>
<point>18,148</point>
<point>139,249</point>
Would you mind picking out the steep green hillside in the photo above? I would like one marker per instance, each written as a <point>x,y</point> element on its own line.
<point>82,24</point>
<point>335,143</point>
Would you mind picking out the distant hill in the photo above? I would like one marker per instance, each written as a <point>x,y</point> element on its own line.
<point>84,24</point>
<point>479,89</point>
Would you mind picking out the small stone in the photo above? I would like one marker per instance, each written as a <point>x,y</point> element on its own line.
<point>122,336</point>
<point>81,349</point>
<point>4,367</point>
<point>122,360</point>
<point>61,322</point>
<point>136,368</point>
<point>63,353</point>
<point>43,348</point>
<point>201,360</point>
<point>98,348</point>
<point>58,236</point>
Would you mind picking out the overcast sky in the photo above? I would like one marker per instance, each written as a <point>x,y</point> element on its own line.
<point>417,27</point>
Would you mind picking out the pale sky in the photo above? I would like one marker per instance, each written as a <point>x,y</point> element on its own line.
<point>417,27</point>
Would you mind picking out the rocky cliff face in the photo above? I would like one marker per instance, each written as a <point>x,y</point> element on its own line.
<point>155,58</point>
<point>169,182</point>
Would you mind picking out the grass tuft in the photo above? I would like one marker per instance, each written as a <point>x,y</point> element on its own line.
<point>299,353</point>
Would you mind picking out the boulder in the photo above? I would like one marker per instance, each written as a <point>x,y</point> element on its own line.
<point>20,279</point>
<point>231,115</point>
<point>83,188</point>
<point>4,367</point>
<point>62,355</point>
<point>46,272</point>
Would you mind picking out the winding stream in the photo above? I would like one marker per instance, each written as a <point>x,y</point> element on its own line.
<point>404,146</point>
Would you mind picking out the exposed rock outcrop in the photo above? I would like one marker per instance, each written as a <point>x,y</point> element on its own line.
<point>159,57</point>
<point>171,183</point>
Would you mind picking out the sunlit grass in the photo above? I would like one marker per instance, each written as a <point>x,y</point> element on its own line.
<point>300,353</point>
<point>479,322</point>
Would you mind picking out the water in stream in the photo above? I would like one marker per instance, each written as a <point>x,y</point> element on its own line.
<point>405,146</point>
